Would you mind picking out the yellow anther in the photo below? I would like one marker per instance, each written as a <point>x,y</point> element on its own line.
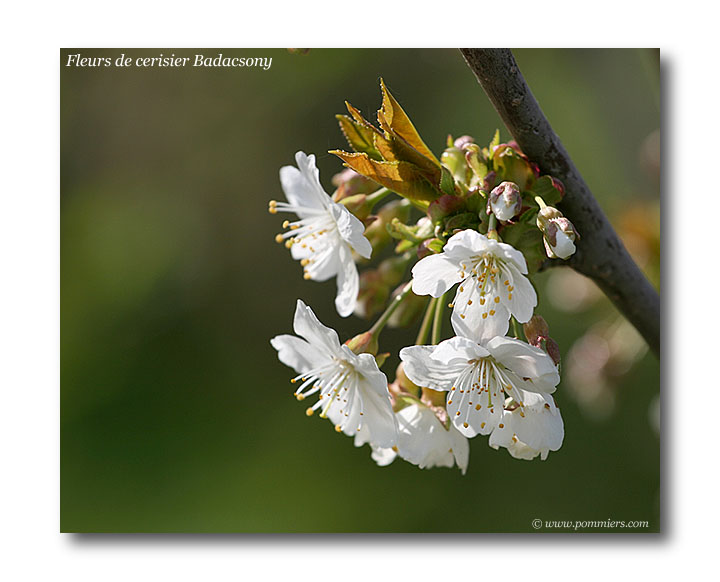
<point>293,380</point>
<point>478,407</point>
<point>394,448</point>
<point>501,425</point>
<point>462,289</point>
<point>506,282</point>
<point>482,300</point>
<point>457,413</point>
<point>497,299</point>
<point>462,316</point>
<point>514,439</point>
<point>300,397</point>
<point>451,305</point>
<point>449,401</point>
<point>509,295</point>
<point>492,312</point>
<point>289,243</point>
<point>469,301</point>
<point>511,288</point>
<point>482,425</point>
<point>272,210</point>
<point>279,238</point>
<point>307,276</point>
<point>305,262</point>
<point>338,428</point>
<point>484,315</point>
<point>465,424</point>
<point>286,224</point>
<point>309,412</point>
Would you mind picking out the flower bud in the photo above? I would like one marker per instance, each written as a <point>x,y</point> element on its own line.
<point>350,183</point>
<point>363,343</point>
<point>403,384</point>
<point>377,232</point>
<point>559,233</point>
<point>505,201</point>
<point>536,328</point>
<point>537,334</point>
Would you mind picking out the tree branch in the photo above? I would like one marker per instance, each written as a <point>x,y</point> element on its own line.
<point>600,254</point>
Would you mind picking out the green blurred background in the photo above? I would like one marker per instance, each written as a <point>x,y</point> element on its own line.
<point>176,415</point>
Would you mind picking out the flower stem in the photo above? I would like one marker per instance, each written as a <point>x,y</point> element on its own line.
<point>516,328</point>
<point>377,196</point>
<point>492,228</point>
<point>426,322</point>
<point>437,320</point>
<point>394,304</point>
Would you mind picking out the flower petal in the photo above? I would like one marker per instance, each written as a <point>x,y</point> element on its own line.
<point>297,353</point>
<point>434,275</point>
<point>351,230</point>
<point>302,184</point>
<point>319,336</point>
<point>348,282</point>
<point>427,372</point>
<point>526,361</point>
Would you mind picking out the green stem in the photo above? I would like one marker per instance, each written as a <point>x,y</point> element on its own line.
<point>492,228</point>
<point>437,320</point>
<point>540,202</point>
<point>394,304</point>
<point>516,329</point>
<point>377,196</point>
<point>426,323</point>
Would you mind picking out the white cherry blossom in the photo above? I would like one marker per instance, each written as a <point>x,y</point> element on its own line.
<point>537,432</point>
<point>352,391</point>
<point>492,284</point>
<point>422,441</point>
<point>480,376</point>
<point>324,234</point>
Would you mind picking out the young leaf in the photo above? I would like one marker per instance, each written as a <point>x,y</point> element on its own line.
<point>393,119</point>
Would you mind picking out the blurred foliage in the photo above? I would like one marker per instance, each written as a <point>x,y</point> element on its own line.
<point>176,415</point>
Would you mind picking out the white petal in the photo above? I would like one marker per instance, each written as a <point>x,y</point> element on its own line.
<point>302,186</point>
<point>434,275</point>
<point>564,246</point>
<point>524,297</point>
<point>351,230</point>
<point>320,337</point>
<point>297,353</point>
<point>348,283</point>
<point>424,371</point>
<point>512,255</point>
<point>466,243</point>
<point>458,350</point>
<point>526,361</point>
<point>460,448</point>
<point>475,317</point>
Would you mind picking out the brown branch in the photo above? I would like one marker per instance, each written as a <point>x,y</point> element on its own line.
<point>600,253</point>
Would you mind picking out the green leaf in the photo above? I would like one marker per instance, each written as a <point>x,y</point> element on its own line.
<point>544,188</point>
<point>401,177</point>
<point>526,238</point>
<point>393,119</point>
<point>359,136</point>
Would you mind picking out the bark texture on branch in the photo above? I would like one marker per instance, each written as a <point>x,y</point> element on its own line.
<point>600,254</point>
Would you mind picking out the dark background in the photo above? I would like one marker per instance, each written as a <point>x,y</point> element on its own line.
<point>176,415</point>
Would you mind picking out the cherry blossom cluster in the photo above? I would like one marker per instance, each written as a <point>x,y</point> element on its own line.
<point>469,231</point>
